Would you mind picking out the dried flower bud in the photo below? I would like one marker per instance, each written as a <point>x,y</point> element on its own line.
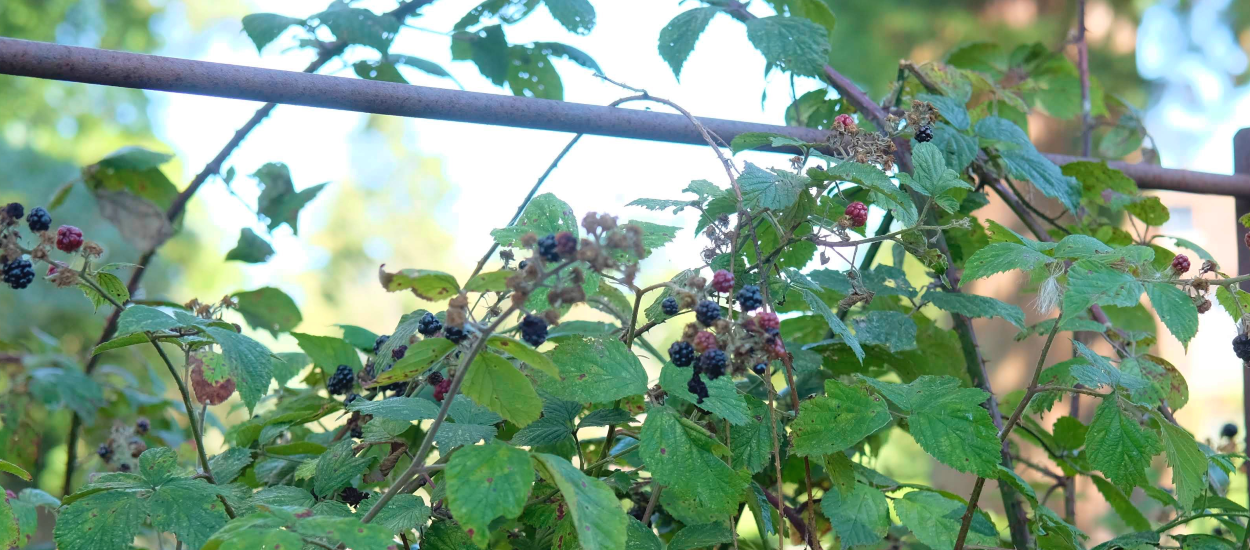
<point>92,249</point>
<point>529,239</point>
<point>689,331</point>
<point>506,255</point>
<point>1209,266</point>
<point>607,222</point>
<point>64,278</point>
<point>696,282</point>
<point>686,300</point>
<point>552,317</point>
<point>578,276</point>
<point>1205,306</point>
<point>591,222</point>
<point>1201,285</point>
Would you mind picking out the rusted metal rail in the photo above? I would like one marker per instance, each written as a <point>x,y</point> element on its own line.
<point>151,72</point>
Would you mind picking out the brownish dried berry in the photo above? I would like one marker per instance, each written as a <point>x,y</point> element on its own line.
<point>1205,306</point>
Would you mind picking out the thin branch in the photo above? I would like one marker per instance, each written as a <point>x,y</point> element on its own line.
<point>1082,64</point>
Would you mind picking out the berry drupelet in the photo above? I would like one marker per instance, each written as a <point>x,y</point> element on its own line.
<point>750,298</point>
<point>669,305</point>
<point>353,496</point>
<point>341,380</point>
<point>924,134</point>
<point>547,248</point>
<point>381,341</point>
<point>1241,346</point>
<point>713,363</point>
<point>18,274</point>
<point>857,212</point>
<point>723,281</point>
<point>681,353</point>
<point>1180,264</point>
<point>68,238</point>
<point>455,334</point>
<point>39,219</point>
<point>707,312</point>
<point>429,325</point>
<point>697,387</point>
<point>534,330</point>
<point>1229,431</point>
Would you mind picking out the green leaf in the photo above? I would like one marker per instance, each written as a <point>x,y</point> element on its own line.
<point>360,26</point>
<point>1097,177</point>
<point>138,318</point>
<point>264,28</point>
<point>544,215</point>
<point>6,466</point>
<point>578,16</point>
<point>531,74</point>
<point>495,281</point>
<point>678,37</point>
<point>683,459</point>
<point>423,65</point>
<point>935,520</point>
<point>860,514</point>
<point>1000,257</point>
<point>328,352</point>
<point>597,515</point>
<point>1059,534</point>
<point>419,357</point>
<point>134,158</point>
<point>121,342</point>
<point>494,383</point>
<point>337,467</point>
<point>1018,483</point>
<point>1025,162</point>
<point>1150,210</point>
<point>268,309</point>
<point>111,285</point>
<point>774,190</point>
<point>835,324</point>
<point>1119,446</point>
<point>278,201</point>
<point>894,330</point>
<point>707,535</point>
<point>960,149</point>
<point>1189,464</point>
<point>359,337</point>
<point>790,44</point>
<point>427,284</point>
<point>1079,247</point>
<point>250,363</point>
<point>227,466</point>
<point>1176,310</point>
<point>841,418</point>
<point>102,521</point>
<point>381,71</point>
<point>752,140</point>
<point>723,398</point>
<point>950,108</point>
<point>402,514</point>
<point>10,528</point>
<point>948,422</point>
<point>524,353</point>
<point>972,305</point>
<point>1121,504</point>
<point>1091,282</point>
<point>753,441</point>
<point>251,248</point>
<point>932,178</point>
<point>485,482</point>
<point>594,370</point>
<point>406,409</point>
<point>544,431</point>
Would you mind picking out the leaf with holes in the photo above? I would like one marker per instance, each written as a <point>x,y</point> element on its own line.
<point>595,370</point>
<point>485,482</point>
<point>597,516</point>
<point>684,460</point>
<point>844,416</point>
<point>111,285</point>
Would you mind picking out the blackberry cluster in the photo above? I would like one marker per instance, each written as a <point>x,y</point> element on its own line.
<point>750,298</point>
<point>1180,264</point>
<point>924,134</point>
<point>1241,346</point>
<point>547,248</point>
<point>768,321</point>
<point>341,380</point>
<point>39,219</point>
<point>105,451</point>
<point>697,387</point>
<point>352,496</point>
<point>434,378</point>
<point>429,325</point>
<point>669,305</point>
<point>14,210</point>
<point>681,353</point>
<point>857,212</point>
<point>455,334</point>
<point>723,281</point>
<point>713,363</point>
<point>707,312</point>
<point>381,341</point>
<point>534,330</point>
<point>358,433</point>
<point>398,352</point>
<point>18,274</point>
<point>142,426</point>
<point>68,238</point>
<point>440,390</point>
<point>760,369</point>
<point>1229,431</point>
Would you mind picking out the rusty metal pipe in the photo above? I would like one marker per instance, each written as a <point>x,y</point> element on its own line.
<point>151,72</point>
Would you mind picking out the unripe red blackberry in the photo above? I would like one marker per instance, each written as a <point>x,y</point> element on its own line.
<point>704,341</point>
<point>768,321</point>
<point>440,391</point>
<point>723,281</point>
<point>1180,264</point>
<point>68,238</point>
<point>857,212</point>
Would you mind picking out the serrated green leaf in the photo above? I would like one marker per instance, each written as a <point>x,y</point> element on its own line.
<point>111,285</point>
<point>753,442</point>
<point>524,353</point>
<point>1121,504</point>
<point>251,248</point>
<point>494,383</point>
<point>121,342</point>
<point>1018,483</point>
<point>1025,162</point>
<point>774,190</point>
<point>495,281</point>
<point>328,352</point>
<point>6,466</point>
<point>972,305</point>
<point>598,518</point>
<point>250,363</point>
<point>935,520</point>
<point>485,482</point>
<point>950,108</point>
<point>544,431</point>
<point>605,417</point>
<point>426,284</point>
<point>678,37</point>
<point>960,149</point>
<point>402,514</point>
<point>883,191</point>
<point>894,330</point>
<point>948,422</point>
<point>1119,446</point>
<point>790,44</point>
<point>279,202</point>
<point>835,324</point>
<point>419,357</point>
<point>105,520</point>
<point>932,178</point>
<point>1189,464</point>
<point>337,467</point>
<point>707,535</point>
<point>227,466</point>
<point>264,28</point>
<point>859,514</point>
<point>1150,210</point>
<point>1097,177</point>
<point>1000,257</point>
<point>841,418</point>
<point>407,409</point>
<point>681,459</point>
<point>10,527</point>
<point>1176,310</point>
<point>137,318</point>
<point>268,309</point>
<point>361,338</point>
<point>1091,282</point>
<point>544,215</point>
<point>594,370</point>
<point>360,26</point>
<point>723,398</point>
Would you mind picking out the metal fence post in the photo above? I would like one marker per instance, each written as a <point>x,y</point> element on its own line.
<point>1241,165</point>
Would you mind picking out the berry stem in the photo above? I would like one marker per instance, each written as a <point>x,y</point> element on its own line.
<point>195,427</point>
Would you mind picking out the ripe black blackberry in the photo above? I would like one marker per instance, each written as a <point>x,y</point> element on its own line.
<point>455,334</point>
<point>750,298</point>
<point>381,341</point>
<point>760,369</point>
<point>397,387</point>
<point>429,325</point>
<point>39,219</point>
<point>398,352</point>
<point>350,398</point>
<point>358,432</point>
<point>18,274</point>
<point>547,248</point>
<point>1229,431</point>
<point>669,305</point>
<point>142,426</point>
<point>697,387</point>
<point>14,210</point>
<point>924,134</point>
<point>341,380</point>
<point>534,330</point>
<point>352,496</point>
<point>434,378</point>
<point>105,451</point>
<point>712,363</point>
<point>524,264</point>
<point>1241,346</point>
<point>681,353</point>
<point>707,312</point>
